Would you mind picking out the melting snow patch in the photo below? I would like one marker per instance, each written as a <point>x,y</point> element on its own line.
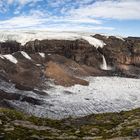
<point>93,41</point>
<point>25,55</point>
<point>42,54</point>
<point>1,56</point>
<point>119,37</point>
<point>38,65</point>
<point>11,58</point>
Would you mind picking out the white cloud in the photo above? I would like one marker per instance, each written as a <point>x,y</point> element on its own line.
<point>22,2</point>
<point>68,14</point>
<point>10,1</point>
<point>20,22</point>
<point>119,9</point>
<point>40,18</point>
<point>75,27</point>
<point>49,23</point>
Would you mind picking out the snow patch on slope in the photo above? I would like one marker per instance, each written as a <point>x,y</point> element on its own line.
<point>25,55</point>
<point>119,37</point>
<point>1,56</point>
<point>42,54</point>
<point>25,36</point>
<point>93,41</point>
<point>11,58</point>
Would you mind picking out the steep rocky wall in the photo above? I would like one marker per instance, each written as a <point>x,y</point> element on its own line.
<point>79,50</point>
<point>116,51</point>
<point>121,51</point>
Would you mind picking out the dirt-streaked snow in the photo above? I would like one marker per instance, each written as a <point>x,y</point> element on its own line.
<point>104,94</point>
<point>24,36</point>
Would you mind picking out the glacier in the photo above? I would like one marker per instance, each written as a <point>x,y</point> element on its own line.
<point>104,94</point>
<point>25,36</point>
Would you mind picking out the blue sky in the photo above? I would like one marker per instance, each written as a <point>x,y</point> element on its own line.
<point>119,17</point>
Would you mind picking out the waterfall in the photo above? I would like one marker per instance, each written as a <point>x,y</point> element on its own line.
<point>104,64</point>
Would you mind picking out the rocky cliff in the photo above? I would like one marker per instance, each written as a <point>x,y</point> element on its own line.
<point>122,54</point>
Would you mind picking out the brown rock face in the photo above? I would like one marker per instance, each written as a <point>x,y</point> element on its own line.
<point>80,50</point>
<point>126,51</point>
<point>61,77</point>
<point>25,72</point>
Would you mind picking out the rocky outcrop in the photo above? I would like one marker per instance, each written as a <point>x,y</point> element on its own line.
<point>123,54</point>
<point>121,51</point>
<point>79,50</point>
<point>9,47</point>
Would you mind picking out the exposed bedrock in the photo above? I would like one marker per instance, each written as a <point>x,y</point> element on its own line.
<point>124,51</point>
<point>79,50</point>
<point>121,51</point>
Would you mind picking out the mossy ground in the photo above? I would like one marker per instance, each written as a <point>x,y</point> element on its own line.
<point>15,125</point>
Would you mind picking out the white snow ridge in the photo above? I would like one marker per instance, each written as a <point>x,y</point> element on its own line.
<point>11,58</point>
<point>42,54</point>
<point>25,55</point>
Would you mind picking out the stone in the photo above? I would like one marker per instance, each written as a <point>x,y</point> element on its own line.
<point>136,132</point>
<point>0,122</point>
<point>9,129</point>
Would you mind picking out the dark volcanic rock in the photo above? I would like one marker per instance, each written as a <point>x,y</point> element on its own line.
<point>9,47</point>
<point>14,96</point>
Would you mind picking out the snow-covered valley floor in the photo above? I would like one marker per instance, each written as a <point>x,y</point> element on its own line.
<point>104,94</point>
